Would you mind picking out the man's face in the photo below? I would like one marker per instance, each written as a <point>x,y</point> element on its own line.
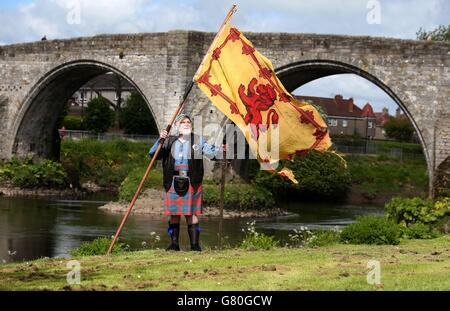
<point>185,126</point>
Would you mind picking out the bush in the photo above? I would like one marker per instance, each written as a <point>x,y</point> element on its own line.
<point>325,237</point>
<point>371,230</point>
<point>130,184</point>
<point>254,240</point>
<point>418,231</point>
<point>318,174</point>
<point>99,116</point>
<point>99,246</point>
<point>73,123</point>
<point>27,174</point>
<point>409,211</point>
<point>136,116</point>
<point>238,196</point>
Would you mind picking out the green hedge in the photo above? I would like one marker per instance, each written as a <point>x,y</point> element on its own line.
<point>27,174</point>
<point>321,175</point>
<point>372,230</point>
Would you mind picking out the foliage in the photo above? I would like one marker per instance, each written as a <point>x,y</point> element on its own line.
<point>27,174</point>
<point>97,247</point>
<point>73,123</point>
<point>318,174</point>
<point>136,116</point>
<point>399,129</point>
<point>418,231</point>
<point>371,230</point>
<point>382,174</point>
<point>254,240</point>
<point>325,238</point>
<point>416,210</point>
<point>130,184</point>
<point>239,195</point>
<point>442,33</point>
<point>104,163</point>
<point>99,116</point>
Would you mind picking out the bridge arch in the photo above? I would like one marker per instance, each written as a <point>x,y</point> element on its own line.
<point>35,129</point>
<point>296,74</point>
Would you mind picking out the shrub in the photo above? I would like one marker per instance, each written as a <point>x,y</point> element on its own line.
<point>239,196</point>
<point>99,116</point>
<point>136,116</point>
<point>325,237</point>
<point>254,240</point>
<point>130,184</point>
<point>318,173</point>
<point>99,246</point>
<point>371,230</point>
<point>418,231</point>
<point>27,174</point>
<point>73,123</point>
<point>409,211</point>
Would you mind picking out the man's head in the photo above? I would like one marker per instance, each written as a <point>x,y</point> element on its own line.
<point>184,124</point>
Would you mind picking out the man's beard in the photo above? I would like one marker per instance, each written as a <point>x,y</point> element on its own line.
<point>185,131</point>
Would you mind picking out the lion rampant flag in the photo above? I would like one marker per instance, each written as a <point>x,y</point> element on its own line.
<point>242,84</point>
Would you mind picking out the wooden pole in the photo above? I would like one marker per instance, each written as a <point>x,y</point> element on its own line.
<point>222,196</point>
<point>169,126</point>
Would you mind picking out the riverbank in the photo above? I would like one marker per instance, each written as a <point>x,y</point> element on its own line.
<point>151,202</point>
<point>412,265</point>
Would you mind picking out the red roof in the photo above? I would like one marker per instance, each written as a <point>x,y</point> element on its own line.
<point>340,107</point>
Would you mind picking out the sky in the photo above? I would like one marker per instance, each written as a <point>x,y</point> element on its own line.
<point>29,20</point>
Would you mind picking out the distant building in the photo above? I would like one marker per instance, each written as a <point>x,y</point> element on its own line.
<point>344,117</point>
<point>382,118</point>
<point>109,86</point>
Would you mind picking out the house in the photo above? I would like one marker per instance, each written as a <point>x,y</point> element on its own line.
<point>344,117</point>
<point>109,86</point>
<point>381,119</point>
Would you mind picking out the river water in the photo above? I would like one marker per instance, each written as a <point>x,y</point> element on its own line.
<point>35,228</point>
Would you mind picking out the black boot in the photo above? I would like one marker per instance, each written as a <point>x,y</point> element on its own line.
<point>174,233</point>
<point>194,235</point>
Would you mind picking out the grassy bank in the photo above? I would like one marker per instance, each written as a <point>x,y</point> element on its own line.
<point>412,265</point>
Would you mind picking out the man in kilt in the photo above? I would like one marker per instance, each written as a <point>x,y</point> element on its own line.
<point>182,161</point>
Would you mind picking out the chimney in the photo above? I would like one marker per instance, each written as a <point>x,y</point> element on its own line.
<point>350,104</point>
<point>398,112</point>
<point>385,110</point>
<point>338,98</point>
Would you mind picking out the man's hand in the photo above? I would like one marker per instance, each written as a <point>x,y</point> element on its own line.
<point>163,134</point>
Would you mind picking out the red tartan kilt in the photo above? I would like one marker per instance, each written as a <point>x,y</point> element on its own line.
<point>189,204</point>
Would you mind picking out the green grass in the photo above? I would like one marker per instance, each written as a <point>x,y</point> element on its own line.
<point>377,174</point>
<point>412,265</point>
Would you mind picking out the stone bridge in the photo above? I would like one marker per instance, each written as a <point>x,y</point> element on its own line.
<point>36,79</point>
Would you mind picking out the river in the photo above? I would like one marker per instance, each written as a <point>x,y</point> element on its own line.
<point>33,228</point>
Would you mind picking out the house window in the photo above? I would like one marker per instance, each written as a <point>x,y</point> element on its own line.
<point>332,122</point>
<point>370,124</point>
<point>344,123</point>
<point>83,97</point>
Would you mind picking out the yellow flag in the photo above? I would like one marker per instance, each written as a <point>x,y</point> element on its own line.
<point>242,84</point>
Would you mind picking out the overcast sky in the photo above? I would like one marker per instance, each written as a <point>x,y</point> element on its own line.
<point>29,20</point>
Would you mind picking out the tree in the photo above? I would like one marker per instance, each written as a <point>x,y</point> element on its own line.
<point>136,117</point>
<point>98,115</point>
<point>442,33</point>
<point>399,128</point>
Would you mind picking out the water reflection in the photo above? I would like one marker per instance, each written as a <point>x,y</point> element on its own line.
<point>35,228</point>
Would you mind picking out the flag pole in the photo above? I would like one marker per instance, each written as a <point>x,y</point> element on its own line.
<point>222,191</point>
<point>169,126</point>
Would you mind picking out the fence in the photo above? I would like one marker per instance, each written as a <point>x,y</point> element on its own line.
<point>77,135</point>
<point>373,149</point>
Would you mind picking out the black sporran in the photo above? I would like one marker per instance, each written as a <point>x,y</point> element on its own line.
<point>181,185</point>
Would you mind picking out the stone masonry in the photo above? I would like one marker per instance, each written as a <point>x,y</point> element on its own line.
<point>37,78</point>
